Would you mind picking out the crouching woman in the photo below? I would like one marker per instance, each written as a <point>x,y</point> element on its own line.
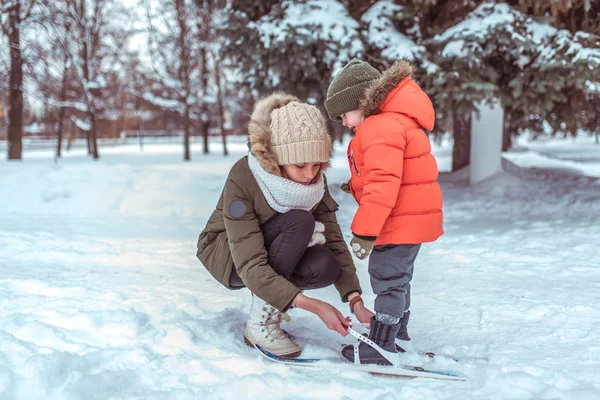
<point>274,229</point>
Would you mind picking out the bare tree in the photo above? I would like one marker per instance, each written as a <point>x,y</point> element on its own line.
<point>51,73</point>
<point>184,72</point>
<point>178,64</point>
<point>88,29</point>
<point>218,73</point>
<point>13,15</point>
<point>91,35</point>
<point>63,96</point>
<point>203,20</point>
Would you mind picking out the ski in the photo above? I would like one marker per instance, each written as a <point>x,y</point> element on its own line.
<point>438,356</point>
<point>407,371</point>
<point>429,354</point>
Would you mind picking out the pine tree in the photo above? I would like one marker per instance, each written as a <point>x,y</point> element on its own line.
<point>292,45</point>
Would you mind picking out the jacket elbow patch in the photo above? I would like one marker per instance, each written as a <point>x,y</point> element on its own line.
<point>237,209</point>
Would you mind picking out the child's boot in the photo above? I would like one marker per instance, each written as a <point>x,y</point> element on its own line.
<point>383,335</point>
<point>263,328</point>
<point>403,343</point>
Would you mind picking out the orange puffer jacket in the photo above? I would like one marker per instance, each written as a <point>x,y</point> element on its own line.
<point>394,174</point>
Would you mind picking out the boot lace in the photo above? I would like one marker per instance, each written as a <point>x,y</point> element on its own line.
<point>271,320</point>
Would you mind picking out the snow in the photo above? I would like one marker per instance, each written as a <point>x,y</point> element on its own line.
<point>540,32</point>
<point>78,105</point>
<point>465,39</point>
<point>552,47</point>
<point>313,20</point>
<point>102,297</point>
<point>324,14</point>
<point>99,83</point>
<point>34,128</point>
<point>459,49</point>
<point>532,159</point>
<point>581,157</point>
<point>592,88</point>
<point>168,104</point>
<point>382,34</point>
<point>83,125</point>
<point>571,46</point>
<point>479,22</point>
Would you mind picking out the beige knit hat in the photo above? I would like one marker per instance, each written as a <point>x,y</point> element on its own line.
<point>298,134</point>
<point>348,87</point>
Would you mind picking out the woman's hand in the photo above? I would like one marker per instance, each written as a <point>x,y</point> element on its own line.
<point>333,318</point>
<point>330,315</point>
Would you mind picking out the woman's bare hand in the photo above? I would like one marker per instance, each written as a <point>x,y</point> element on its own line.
<point>330,315</point>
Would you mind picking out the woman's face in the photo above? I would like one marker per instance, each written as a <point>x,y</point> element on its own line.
<point>301,173</point>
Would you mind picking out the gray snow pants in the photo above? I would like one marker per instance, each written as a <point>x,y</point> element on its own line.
<point>391,270</point>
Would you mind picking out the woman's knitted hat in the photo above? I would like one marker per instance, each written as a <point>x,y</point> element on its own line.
<point>298,134</point>
<point>348,87</point>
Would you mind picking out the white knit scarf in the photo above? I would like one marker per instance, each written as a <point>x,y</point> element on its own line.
<point>284,194</point>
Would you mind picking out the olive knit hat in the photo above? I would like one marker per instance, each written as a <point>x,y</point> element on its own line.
<point>348,87</point>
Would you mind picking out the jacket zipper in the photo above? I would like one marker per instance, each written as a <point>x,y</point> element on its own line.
<point>351,158</point>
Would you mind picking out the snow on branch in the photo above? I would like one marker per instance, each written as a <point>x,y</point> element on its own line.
<point>98,83</point>
<point>168,104</point>
<point>480,23</point>
<point>83,125</point>
<point>7,5</point>
<point>313,20</point>
<point>563,47</point>
<point>383,35</point>
<point>592,89</point>
<point>68,104</point>
<point>553,46</point>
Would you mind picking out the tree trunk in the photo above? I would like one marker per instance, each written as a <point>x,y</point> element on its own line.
<point>461,153</point>
<point>507,133</point>
<point>15,98</point>
<point>62,98</point>
<point>204,119</point>
<point>184,75</point>
<point>59,135</point>
<point>89,141</point>
<point>70,137</point>
<point>95,154</point>
<point>220,103</point>
<point>338,131</point>
<point>91,108</point>
<point>203,19</point>
<point>186,133</point>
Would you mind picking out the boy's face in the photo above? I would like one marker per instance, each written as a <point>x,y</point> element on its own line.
<point>352,119</point>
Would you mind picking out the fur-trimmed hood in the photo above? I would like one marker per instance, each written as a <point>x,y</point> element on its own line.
<point>395,91</point>
<point>259,131</point>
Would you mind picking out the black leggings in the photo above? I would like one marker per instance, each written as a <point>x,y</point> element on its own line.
<point>286,239</point>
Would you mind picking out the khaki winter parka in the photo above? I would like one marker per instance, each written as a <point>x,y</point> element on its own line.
<point>229,240</point>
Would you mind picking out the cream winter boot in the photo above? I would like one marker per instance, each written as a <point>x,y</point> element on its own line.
<point>263,329</point>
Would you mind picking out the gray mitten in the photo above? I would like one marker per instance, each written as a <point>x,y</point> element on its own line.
<point>346,187</point>
<point>361,247</point>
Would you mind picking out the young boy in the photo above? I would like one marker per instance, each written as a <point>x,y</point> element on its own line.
<point>394,181</point>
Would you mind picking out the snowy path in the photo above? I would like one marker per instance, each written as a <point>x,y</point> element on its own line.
<point>101,296</point>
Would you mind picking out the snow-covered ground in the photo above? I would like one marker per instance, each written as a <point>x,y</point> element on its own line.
<point>102,297</point>
<point>574,156</point>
